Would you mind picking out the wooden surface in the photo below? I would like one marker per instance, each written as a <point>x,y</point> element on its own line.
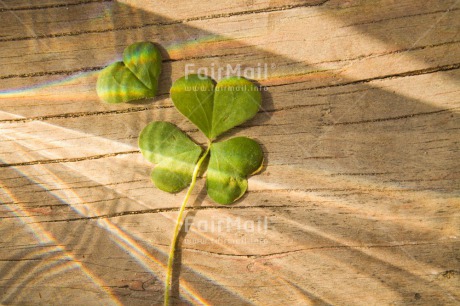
<point>360,126</point>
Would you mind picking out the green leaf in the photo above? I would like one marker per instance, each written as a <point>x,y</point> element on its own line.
<point>117,84</point>
<point>133,79</point>
<point>193,96</point>
<point>236,100</point>
<point>173,152</point>
<point>231,162</point>
<point>215,109</point>
<point>144,61</point>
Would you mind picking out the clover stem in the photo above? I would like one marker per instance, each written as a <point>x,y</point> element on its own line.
<point>178,226</point>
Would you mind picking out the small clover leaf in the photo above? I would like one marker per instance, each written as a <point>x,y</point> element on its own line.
<point>230,163</point>
<point>144,61</point>
<point>215,109</point>
<point>133,79</point>
<point>193,96</point>
<point>236,100</point>
<point>173,152</point>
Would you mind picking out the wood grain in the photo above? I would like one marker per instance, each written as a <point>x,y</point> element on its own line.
<point>358,202</point>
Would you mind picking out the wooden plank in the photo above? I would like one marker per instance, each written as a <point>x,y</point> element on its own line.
<point>217,37</point>
<point>75,95</point>
<point>48,190</point>
<point>30,21</point>
<point>126,13</point>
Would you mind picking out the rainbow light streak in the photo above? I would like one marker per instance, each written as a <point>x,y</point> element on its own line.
<point>64,261</point>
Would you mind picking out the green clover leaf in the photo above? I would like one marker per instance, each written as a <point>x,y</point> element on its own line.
<point>136,77</point>
<point>173,152</point>
<point>215,109</point>
<point>231,162</point>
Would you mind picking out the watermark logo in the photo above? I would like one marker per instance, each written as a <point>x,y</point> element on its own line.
<point>223,240</point>
<point>217,72</point>
<point>213,231</point>
<point>227,225</point>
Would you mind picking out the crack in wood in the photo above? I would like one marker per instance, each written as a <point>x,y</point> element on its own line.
<point>361,174</point>
<point>401,17</point>
<point>51,73</point>
<point>67,160</point>
<point>161,210</point>
<point>411,73</point>
<point>41,7</point>
<point>393,118</point>
<point>87,114</point>
<point>97,68</point>
<point>332,247</point>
